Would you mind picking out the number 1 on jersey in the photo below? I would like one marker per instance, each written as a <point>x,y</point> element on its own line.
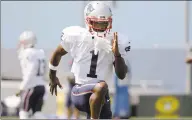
<point>93,66</point>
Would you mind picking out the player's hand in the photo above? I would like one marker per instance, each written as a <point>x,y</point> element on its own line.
<point>102,44</point>
<point>53,85</point>
<point>115,48</point>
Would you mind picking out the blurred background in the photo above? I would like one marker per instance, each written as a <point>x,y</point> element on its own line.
<point>160,34</point>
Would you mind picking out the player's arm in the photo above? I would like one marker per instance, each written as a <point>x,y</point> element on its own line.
<point>55,60</point>
<point>120,66</point>
<point>119,63</point>
<point>120,55</point>
<point>60,51</point>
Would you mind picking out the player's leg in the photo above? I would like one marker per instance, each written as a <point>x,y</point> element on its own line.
<point>69,102</point>
<point>37,102</point>
<point>75,113</point>
<point>25,104</point>
<point>71,110</point>
<point>96,100</point>
<point>106,112</point>
<point>89,97</point>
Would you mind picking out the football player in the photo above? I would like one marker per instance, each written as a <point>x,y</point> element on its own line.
<point>32,88</point>
<point>95,50</point>
<point>71,110</point>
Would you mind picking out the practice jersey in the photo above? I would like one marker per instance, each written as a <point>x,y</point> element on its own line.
<point>79,42</point>
<point>33,65</point>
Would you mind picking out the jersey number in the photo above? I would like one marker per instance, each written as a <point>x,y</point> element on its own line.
<point>41,67</point>
<point>93,66</point>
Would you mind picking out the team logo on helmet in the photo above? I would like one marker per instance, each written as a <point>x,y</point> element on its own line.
<point>89,9</point>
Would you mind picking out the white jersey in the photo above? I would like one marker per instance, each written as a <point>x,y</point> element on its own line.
<point>33,65</point>
<point>86,65</point>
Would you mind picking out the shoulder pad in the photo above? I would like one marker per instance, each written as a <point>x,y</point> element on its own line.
<point>72,34</point>
<point>123,38</point>
<point>41,53</point>
<point>28,53</point>
<point>73,31</point>
<point>35,53</point>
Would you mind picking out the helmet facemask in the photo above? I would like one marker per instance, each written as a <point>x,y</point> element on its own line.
<point>98,18</point>
<point>24,44</point>
<point>99,25</point>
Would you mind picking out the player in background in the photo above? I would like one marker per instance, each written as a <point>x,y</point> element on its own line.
<point>95,50</point>
<point>72,112</point>
<point>121,103</point>
<point>32,88</point>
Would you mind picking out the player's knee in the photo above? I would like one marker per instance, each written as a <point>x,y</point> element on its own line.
<point>101,88</point>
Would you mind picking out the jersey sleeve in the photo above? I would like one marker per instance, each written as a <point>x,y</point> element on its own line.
<point>69,38</point>
<point>65,42</point>
<point>124,47</point>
